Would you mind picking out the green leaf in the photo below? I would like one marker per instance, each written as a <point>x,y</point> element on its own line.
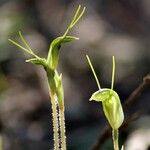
<point>111,106</point>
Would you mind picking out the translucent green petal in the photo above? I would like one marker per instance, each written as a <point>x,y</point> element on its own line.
<point>111,106</point>
<point>53,56</point>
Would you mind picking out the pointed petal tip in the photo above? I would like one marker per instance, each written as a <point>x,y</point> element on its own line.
<point>27,60</point>
<point>91,99</point>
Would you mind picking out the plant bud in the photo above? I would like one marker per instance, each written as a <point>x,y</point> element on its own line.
<point>111,106</point>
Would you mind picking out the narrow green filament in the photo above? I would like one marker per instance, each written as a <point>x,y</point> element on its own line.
<point>79,13</point>
<point>113,72</point>
<point>24,41</point>
<point>91,66</point>
<point>27,48</point>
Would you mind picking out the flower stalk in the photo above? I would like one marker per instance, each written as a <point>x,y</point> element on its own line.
<point>55,121</point>
<point>115,136</point>
<point>62,129</point>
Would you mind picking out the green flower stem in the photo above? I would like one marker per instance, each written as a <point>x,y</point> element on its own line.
<point>115,135</point>
<point>55,121</point>
<point>113,73</point>
<point>92,68</point>
<point>62,129</point>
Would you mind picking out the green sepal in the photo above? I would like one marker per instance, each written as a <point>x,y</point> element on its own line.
<point>59,90</point>
<point>56,87</point>
<point>100,95</point>
<point>53,55</point>
<point>111,106</point>
<point>51,79</point>
<point>37,61</point>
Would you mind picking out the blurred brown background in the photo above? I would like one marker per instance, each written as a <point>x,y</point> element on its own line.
<point>109,27</point>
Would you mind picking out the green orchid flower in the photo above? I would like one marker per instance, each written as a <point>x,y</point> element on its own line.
<point>54,78</point>
<point>111,104</point>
